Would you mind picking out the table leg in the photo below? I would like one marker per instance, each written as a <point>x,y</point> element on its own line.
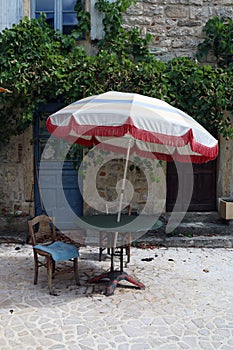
<point>112,258</point>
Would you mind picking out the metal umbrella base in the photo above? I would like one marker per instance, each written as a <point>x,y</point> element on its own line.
<point>114,278</point>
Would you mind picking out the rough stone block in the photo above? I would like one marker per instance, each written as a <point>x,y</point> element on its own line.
<point>176,11</point>
<point>14,229</point>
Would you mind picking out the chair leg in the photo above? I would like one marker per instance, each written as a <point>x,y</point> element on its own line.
<point>54,267</point>
<point>101,253</point>
<point>50,266</point>
<point>76,275</point>
<point>128,252</point>
<point>100,245</point>
<point>128,246</point>
<point>35,267</point>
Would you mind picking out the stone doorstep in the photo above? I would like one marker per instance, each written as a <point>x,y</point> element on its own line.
<point>176,241</point>
<point>194,217</point>
<point>14,230</point>
<point>14,238</point>
<point>196,230</point>
<point>186,242</point>
<point>201,242</point>
<point>202,229</point>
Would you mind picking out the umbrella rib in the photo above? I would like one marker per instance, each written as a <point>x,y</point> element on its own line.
<point>124,178</point>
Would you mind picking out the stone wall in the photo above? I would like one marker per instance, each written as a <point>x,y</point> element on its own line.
<point>225,175</point>
<point>176,25</point>
<point>225,167</point>
<point>26,8</point>
<point>102,184</point>
<point>16,174</point>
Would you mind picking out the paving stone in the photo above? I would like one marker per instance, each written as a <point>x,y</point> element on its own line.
<point>205,345</point>
<point>191,341</point>
<point>183,345</point>
<point>123,346</point>
<point>82,329</point>
<point>182,307</point>
<point>132,332</point>
<point>140,346</point>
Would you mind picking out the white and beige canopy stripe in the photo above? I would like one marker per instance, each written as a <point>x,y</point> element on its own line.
<point>156,127</point>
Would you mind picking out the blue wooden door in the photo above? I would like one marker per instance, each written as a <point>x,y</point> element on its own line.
<point>57,189</point>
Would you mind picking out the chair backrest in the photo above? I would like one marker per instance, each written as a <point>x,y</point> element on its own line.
<point>42,229</point>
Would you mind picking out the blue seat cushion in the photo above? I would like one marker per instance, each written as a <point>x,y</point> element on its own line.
<point>60,251</point>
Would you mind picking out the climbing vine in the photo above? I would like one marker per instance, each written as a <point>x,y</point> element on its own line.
<point>40,65</point>
<point>126,44</point>
<point>204,90</point>
<point>218,40</point>
<point>35,62</point>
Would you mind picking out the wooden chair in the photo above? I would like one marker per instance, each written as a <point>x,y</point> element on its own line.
<point>43,236</point>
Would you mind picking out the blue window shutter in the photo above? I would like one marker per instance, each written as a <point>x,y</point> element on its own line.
<point>97,31</point>
<point>58,15</point>
<point>11,13</point>
<point>33,8</point>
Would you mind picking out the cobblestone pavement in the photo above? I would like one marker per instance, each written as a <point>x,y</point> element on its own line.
<point>187,303</point>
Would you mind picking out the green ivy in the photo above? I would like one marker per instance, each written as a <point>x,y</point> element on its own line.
<point>124,43</point>
<point>34,64</point>
<point>204,90</point>
<point>84,19</point>
<point>40,65</point>
<point>218,40</point>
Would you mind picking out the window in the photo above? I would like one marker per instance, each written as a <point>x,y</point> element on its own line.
<point>60,14</point>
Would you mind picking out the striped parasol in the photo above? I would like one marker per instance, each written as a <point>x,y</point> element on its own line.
<point>133,123</point>
<point>155,128</point>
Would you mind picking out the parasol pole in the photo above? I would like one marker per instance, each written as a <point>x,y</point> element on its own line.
<point>123,181</point>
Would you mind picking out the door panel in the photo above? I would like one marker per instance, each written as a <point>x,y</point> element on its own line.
<point>60,193</point>
<point>57,189</point>
<point>204,187</point>
<point>11,13</point>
